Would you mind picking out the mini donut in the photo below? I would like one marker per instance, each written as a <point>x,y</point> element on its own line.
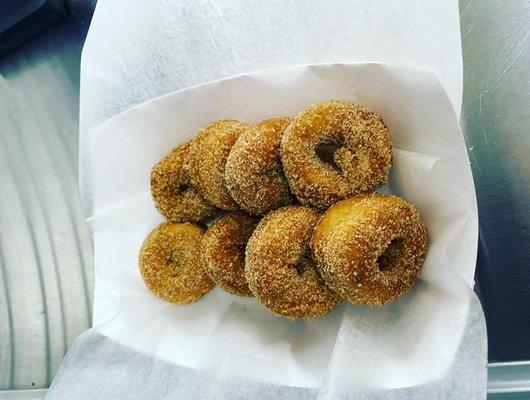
<point>253,173</point>
<point>208,155</point>
<point>172,192</point>
<point>370,248</point>
<point>279,268</point>
<point>360,146</point>
<point>223,251</point>
<point>170,263</point>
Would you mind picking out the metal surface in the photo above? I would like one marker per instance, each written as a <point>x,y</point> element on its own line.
<point>511,377</point>
<point>46,266</point>
<point>46,261</point>
<point>496,123</point>
<point>27,394</point>
<point>22,20</point>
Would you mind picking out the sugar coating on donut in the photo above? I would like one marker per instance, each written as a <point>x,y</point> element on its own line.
<point>370,248</point>
<point>170,263</point>
<point>174,196</point>
<point>253,173</point>
<point>208,154</point>
<point>360,163</point>
<point>279,268</point>
<point>223,251</point>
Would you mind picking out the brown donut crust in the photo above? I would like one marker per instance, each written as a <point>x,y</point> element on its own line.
<point>279,268</point>
<point>208,155</point>
<point>363,157</point>
<point>223,252</point>
<point>170,264</point>
<point>370,248</point>
<point>253,173</point>
<point>173,195</point>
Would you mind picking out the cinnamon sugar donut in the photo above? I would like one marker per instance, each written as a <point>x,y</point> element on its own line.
<point>170,263</point>
<point>253,173</point>
<point>370,248</point>
<point>360,146</point>
<point>223,251</point>
<point>208,155</point>
<point>279,268</point>
<point>173,195</point>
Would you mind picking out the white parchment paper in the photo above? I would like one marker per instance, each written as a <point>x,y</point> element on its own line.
<point>411,342</point>
<point>137,50</point>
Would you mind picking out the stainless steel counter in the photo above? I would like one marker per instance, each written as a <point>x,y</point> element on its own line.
<point>496,123</point>
<point>45,252</point>
<point>46,264</point>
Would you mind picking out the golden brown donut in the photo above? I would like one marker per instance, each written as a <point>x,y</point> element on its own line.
<point>359,162</point>
<point>172,192</point>
<point>279,268</point>
<point>170,263</point>
<point>253,173</point>
<point>208,155</point>
<point>370,248</point>
<point>223,251</point>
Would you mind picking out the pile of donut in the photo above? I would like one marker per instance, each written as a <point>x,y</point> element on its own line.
<point>297,224</point>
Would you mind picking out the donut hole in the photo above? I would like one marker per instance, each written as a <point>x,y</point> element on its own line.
<point>236,253</point>
<point>176,259</point>
<point>300,268</point>
<point>347,161</point>
<point>387,260</point>
<point>182,188</point>
<point>302,265</point>
<point>326,153</point>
